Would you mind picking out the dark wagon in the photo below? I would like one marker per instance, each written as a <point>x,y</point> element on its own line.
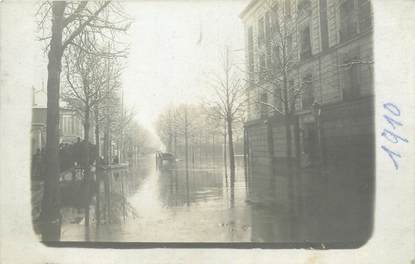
<point>165,161</point>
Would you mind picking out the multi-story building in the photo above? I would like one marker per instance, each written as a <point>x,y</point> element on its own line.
<point>311,61</point>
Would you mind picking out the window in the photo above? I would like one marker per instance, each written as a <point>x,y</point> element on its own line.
<point>290,90</point>
<point>268,38</point>
<point>276,59</point>
<point>249,105</point>
<point>289,45</point>
<point>307,97</point>
<point>76,125</point>
<point>64,124</point>
<point>351,85</point>
<point>264,101</point>
<point>68,124</point>
<point>275,21</point>
<point>348,25</point>
<point>365,16</point>
<point>251,53</point>
<point>287,7</point>
<point>324,25</point>
<point>262,68</point>
<point>305,43</point>
<point>72,125</point>
<point>290,94</point>
<point>277,98</point>
<point>304,7</point>
<point>261,32</point>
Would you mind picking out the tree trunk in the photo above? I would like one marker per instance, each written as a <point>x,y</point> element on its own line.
<point>213,151</point>
<point>138,153</point>
<point>289,140</point>
<point>290,175</point>
<point>86,165</point>
<point>50,214</point>
<point>246,158</point>
<point>97,141</point>
<point>186,145</point>
<point>193,159</point>
<point>97,163</point>
<point>107,193</point>
<point>170,143</point>
<point>106,142</point>
<point>200,150</point>
<point>175,144</point>
<point>297,142</point>
<point>225,159</point>
<point>231,159</point>
<point>273,169</point>
<point>186,151</point>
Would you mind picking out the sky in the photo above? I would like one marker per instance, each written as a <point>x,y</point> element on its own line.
<point>175,45</point>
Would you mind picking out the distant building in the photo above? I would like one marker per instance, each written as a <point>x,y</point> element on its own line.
<point>332,71</point>
<point>70,127</point>
<point>38,131</point>
<point>70,122</point>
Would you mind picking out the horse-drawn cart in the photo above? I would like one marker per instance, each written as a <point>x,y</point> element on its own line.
<point>165,161</point>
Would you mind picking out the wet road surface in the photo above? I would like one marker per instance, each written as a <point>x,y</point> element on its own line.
<point>147,205</point>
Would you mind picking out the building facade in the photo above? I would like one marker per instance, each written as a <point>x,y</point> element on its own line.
<point>70,127</point>
<point>311,62</point>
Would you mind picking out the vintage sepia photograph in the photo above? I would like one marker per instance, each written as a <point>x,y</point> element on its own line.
<point>203,123</point>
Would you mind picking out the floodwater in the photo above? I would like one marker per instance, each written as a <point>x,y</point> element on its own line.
<point>147,205</point>
<point>143,204</point>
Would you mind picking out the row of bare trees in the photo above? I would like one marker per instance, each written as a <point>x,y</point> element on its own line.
<point>186,124</point>
<point>84,40</point>
<point>217,119</point>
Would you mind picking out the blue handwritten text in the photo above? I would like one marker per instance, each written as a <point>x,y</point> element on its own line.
<point>391,133</point>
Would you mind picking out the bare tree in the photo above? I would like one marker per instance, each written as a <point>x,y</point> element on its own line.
<point>181,125</point>
<point>274,77</point>
<point>216,118</point>
<point>136,138</point>
<point>229,102</point>
<point>214,127</point>
<point>64,22</point>
<point>276,64</point>
<point>167,127</point>
<point>121,121</point>
<point>279,55</point>
<point>84,91</point>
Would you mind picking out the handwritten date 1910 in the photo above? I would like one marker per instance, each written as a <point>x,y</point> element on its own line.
<point>392,134</point>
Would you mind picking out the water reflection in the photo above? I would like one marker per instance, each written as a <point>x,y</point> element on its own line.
<point>142,205</point>
<point>108,204</point>
<point>201,186</point>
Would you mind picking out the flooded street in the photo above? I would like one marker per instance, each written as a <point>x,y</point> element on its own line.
<point>141,203</point>
<point>146,205</point>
